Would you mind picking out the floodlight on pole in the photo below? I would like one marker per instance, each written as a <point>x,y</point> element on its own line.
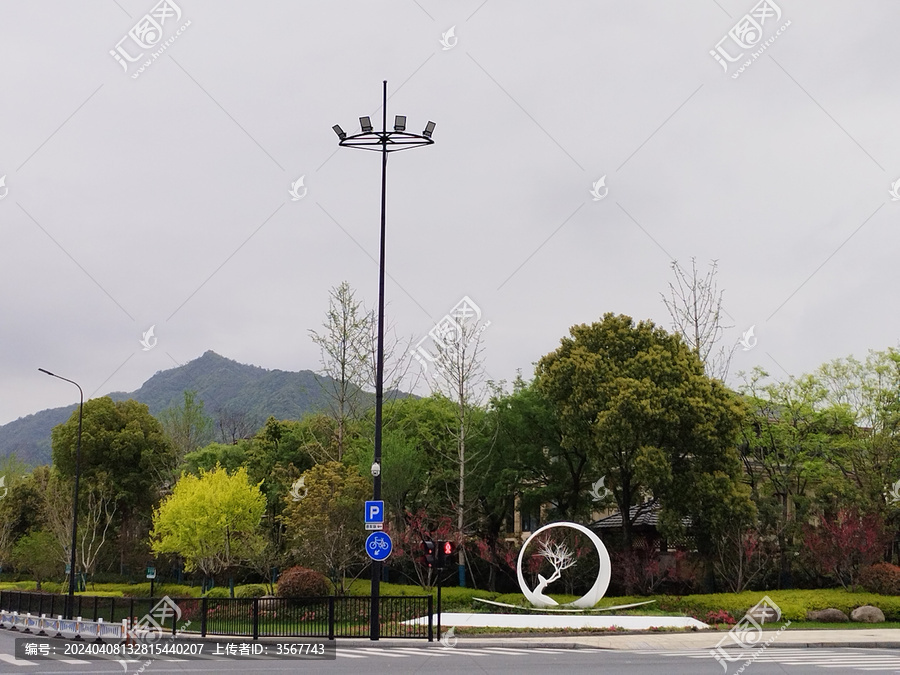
<point>383,141</point>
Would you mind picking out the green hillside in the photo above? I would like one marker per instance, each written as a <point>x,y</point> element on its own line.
<point>222,384</point>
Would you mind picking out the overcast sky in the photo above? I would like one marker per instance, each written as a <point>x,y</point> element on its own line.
<point>161,197</point>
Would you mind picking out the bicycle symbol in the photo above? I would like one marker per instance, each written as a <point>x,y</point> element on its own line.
<point>378,544</point>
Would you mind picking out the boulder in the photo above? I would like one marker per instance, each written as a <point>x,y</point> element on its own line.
<point>867,614</point>
<point>830,615</point>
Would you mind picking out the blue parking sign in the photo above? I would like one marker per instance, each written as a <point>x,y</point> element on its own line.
<point>375,512</point>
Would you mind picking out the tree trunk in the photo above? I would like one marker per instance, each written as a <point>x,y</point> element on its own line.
<point>460,508</point>
<point>625,508</point>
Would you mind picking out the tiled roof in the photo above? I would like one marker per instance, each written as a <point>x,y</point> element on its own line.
<point>646,514</point>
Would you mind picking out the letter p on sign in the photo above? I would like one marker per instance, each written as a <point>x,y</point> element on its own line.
<point>375,512</point>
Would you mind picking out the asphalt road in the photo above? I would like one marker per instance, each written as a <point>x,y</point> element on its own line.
<point>422,658</point>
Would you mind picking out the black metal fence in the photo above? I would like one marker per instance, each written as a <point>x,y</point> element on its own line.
<point>316,617</point>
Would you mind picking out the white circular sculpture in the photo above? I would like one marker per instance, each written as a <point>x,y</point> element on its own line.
<point>561,558</point>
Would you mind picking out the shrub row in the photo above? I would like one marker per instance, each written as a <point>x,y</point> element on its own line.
<point>794,604</point>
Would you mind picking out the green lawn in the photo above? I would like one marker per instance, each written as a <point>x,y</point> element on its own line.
<point>793,603</point>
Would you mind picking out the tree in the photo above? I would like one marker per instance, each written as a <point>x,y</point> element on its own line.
<point>98,508</point>
<point>123,442</point>
<point>14,506</point>
<point>211,520</point>
<point>346,348</point>
<point>636,400</point>
<point>862,399</point>
<point>844,544</point>
<point>230,457</point>
<point>786,438</point>
<point>324,525</point>
<point>234,425</point>
<point>695,305</point>
<point>530,458</point>
<point>187,426</point>
<point>56,511</point>
<point>37,553</point>
<point>459,375</point>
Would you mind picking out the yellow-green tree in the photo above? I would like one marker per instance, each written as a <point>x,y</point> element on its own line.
<point>211,520</point>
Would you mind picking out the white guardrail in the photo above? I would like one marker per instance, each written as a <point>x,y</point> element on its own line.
<point>74,628</point>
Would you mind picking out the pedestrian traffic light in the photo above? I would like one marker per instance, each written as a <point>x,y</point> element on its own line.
<point>445,551</point>
<point>430,552</point>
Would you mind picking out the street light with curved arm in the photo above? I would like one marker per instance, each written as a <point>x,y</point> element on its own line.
<point>70,601</point>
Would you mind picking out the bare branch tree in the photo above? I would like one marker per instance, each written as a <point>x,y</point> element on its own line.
<point>560,557</point>
<point>459,375</point>
<point>57,512</point>
<point>233,425</point>
<point>100,509</point>
<point>695,305</point>
<point>349,353</point>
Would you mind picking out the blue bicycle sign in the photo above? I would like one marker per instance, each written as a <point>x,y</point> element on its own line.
<point>378,546</point>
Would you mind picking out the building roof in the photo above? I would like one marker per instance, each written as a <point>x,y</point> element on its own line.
<point>641,515</point>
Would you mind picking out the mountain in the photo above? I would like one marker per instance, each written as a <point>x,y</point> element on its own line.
<point>222,384</point>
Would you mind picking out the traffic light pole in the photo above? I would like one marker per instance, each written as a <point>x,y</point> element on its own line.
<point>439,605</point>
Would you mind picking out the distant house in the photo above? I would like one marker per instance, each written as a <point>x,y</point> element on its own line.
<point>645,524</point>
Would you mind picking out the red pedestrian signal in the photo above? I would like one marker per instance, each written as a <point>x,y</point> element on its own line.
<point>446,549</point>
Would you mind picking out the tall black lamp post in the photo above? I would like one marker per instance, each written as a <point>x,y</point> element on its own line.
<point>70,601</point>
<point>383,141</point>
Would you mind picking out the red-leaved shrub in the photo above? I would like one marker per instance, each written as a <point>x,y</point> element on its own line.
<point>882,578</point>
<point>719,616</point>
<point>301,582</point>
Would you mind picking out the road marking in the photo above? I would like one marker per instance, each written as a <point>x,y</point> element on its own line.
<point>413,651</point>
<point>9,658</point>
<point>470,652</point>
<point>858,658</point>
<point>544,650</point>
<point>508,650</point>
<point>380,651</point>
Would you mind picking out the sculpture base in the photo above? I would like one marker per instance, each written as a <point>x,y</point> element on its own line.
<point>581,621</point>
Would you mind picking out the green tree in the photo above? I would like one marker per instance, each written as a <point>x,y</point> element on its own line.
<point>229,456</point>
<point>424,466</point>
<point>787,436</point>
<point>125,446</point>
<point>187,426</point>
<point>211,520</point>
<point>636,400</point>
<point>122,443</point>
<point>862,399</point>
<point>532,459</point>
<point>324,525</point>
<point>19,503</point>
<point>38,555</point>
